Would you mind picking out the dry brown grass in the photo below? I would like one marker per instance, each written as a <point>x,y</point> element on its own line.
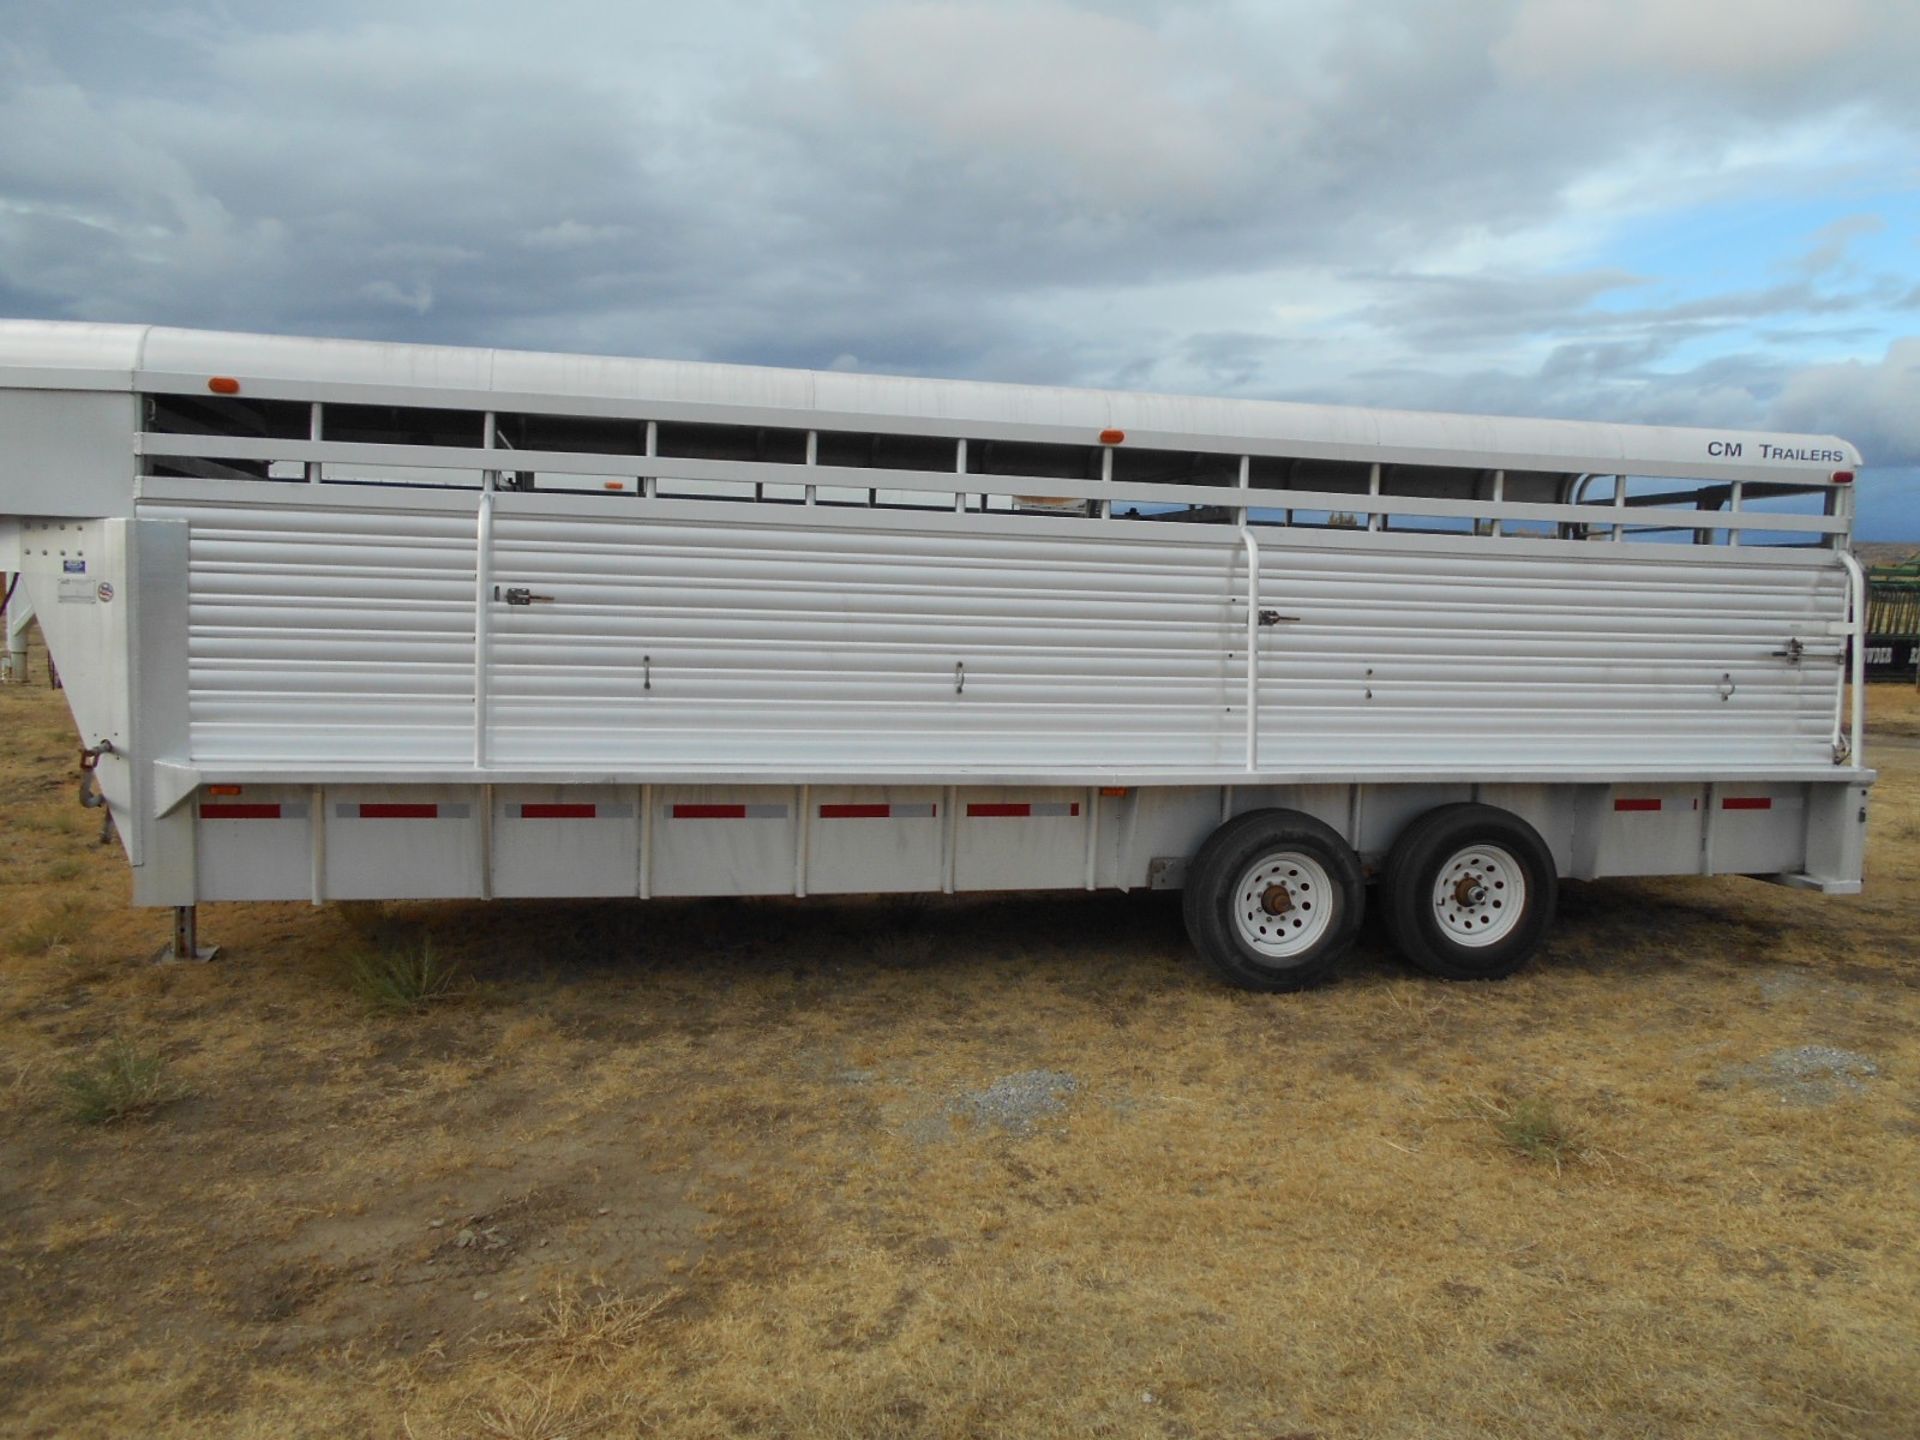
<point>693,1169</point>
<point>1894,707</point>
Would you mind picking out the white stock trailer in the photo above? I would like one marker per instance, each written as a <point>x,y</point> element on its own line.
<point>343,620</point>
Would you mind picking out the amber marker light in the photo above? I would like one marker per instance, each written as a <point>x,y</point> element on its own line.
<point>224,385</point>
<point>1112,437</point>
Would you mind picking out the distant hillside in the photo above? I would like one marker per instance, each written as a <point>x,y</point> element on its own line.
<point>1886,552</point>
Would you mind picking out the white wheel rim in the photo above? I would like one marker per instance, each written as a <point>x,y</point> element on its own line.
<point>1479,895</point>
<point>1283,904</point>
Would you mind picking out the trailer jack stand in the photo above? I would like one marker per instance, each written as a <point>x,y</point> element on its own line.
<point>186,937</point>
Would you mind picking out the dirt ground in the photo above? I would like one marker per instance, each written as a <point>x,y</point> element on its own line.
<point>997,1167</point>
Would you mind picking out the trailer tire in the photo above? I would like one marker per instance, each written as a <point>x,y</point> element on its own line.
<point>1273,900</point>
<point>1450,887</point>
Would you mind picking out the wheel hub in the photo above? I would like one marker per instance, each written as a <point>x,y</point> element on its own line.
<point>1479,895</point>
<point>1283,904</point>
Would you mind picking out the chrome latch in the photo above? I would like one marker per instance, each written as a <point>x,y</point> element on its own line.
<point>1792,654</point>
<point>1274,617</point>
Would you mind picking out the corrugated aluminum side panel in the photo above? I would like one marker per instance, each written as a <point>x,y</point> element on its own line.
<point>321,635</point>
<point>326,635</point>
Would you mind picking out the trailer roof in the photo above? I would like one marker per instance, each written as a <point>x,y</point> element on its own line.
<point>72,355</point>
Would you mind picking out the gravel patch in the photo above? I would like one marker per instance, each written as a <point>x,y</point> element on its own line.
<point>1015,1102</point>
<point>1811,1074</point>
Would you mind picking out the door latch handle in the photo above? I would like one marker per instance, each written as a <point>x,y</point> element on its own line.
<point>520,595</point>
<point>1274,617</point>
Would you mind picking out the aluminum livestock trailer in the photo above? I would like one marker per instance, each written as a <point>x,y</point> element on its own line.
<point>342,620</point>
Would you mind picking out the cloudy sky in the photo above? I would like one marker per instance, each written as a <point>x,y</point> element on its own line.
<point>1696,211</point>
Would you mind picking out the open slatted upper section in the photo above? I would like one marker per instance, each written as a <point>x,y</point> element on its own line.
<point>357,412</point>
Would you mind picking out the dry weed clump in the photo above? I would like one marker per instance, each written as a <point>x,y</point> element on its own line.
<point>400,976</point>
<point>53,926</point>
<point>1533,1127</point>
<point>581,1329</point>
<point>121,1081</point>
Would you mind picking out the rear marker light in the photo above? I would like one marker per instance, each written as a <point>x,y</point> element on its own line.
<point>223,789</point>
<point>1112,437</point>
<point>1843,477</point>
<point>224,385</point>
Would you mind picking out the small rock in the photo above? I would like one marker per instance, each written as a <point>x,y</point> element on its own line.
<point>479,1295</point>
<point>606,1209</point>
<point>435,1224</point>
<point>465,1239</point>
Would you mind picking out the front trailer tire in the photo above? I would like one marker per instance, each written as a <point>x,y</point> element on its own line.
<point>1469,892</point>
<point>1273,900</point>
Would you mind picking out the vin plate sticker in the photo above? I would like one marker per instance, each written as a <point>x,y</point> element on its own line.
<point>77,590</point>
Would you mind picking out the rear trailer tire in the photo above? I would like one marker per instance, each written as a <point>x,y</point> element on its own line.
<point>1469,892</point>
<point>1273,900</point>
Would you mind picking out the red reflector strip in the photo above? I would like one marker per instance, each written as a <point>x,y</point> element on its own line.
<point>1636,804</point>
<point>239,812</point>
<point>995,809</point>
<point>1747,802</point>
<point>557,812</point>
<point>855,812</point>
<point>392,811</point>
<point>709,812</point>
